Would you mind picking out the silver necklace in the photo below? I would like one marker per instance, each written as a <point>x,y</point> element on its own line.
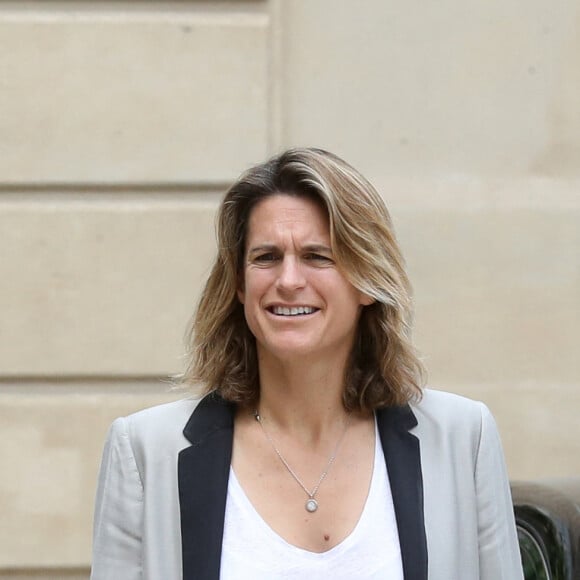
<point>311,504</point>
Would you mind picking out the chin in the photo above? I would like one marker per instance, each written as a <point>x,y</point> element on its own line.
<point>288,352</point>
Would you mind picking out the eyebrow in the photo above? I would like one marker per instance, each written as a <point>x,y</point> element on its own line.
<point>317,248</point>
<point>272,248</point>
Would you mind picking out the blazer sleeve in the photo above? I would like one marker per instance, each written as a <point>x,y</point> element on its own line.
<point>118,520</point>
<point>499,554</point>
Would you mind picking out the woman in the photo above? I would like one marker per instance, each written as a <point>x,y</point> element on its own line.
<point>315,453</point>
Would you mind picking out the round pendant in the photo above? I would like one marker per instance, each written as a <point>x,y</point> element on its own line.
<point>311,505</point>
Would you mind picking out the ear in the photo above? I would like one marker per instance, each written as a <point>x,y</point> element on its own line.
<point>366,300</point>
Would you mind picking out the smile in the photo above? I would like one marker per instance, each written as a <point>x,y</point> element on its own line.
<point>292,310</point>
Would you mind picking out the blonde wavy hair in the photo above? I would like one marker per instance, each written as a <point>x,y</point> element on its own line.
<point>384,369</point>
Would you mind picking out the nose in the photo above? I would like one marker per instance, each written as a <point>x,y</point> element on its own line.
<point>291,276</point>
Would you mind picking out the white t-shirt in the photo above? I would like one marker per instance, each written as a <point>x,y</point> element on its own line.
<point>251,550</point>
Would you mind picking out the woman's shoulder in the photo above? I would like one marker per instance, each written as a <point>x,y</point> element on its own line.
<point>158,427</point>
<point>462,426</point>
<point>449,411</point>
<point>163,415</point>
<point>436,399</point>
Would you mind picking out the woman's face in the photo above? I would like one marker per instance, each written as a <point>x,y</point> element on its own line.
<point>296,302</point>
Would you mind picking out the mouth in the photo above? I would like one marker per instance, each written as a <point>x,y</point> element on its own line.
<point>292,310</point>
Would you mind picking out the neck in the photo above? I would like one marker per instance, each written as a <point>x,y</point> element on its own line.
<point>304,398</point>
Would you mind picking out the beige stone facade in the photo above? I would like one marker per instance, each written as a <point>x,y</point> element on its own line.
<point>121,123</point>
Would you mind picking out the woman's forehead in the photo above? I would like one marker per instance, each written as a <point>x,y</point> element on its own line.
<point>288,215</point>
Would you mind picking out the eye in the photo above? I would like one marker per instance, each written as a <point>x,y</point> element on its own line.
<point>265,258</point>
<point>318,258</point>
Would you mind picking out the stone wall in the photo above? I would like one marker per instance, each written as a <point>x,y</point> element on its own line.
<point>121,124</point>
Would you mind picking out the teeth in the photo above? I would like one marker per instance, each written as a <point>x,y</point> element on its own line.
<point>293,311</point>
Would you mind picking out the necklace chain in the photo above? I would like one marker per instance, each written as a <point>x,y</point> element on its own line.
<point>311,504</point>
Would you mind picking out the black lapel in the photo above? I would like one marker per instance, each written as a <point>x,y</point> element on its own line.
<point>403,459</point>
<point>203,471</point>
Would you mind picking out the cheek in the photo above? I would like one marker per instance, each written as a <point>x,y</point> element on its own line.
<point>251,315</point>
<point>245,285</point>
<point>254,285</point>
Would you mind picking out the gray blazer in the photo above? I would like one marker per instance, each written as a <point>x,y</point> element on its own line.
<point>162,489</point>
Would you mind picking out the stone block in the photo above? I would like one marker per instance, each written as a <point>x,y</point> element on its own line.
<point>52,440</point>
<point>100,285</point>
<point>495,266</point>
<point>46,574</point>
<point>497,294</point>
<point>449,89</point>
<point>131,95</point>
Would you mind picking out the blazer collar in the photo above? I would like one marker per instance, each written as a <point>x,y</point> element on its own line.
<point>203,473</point>
<point>403,459</point>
